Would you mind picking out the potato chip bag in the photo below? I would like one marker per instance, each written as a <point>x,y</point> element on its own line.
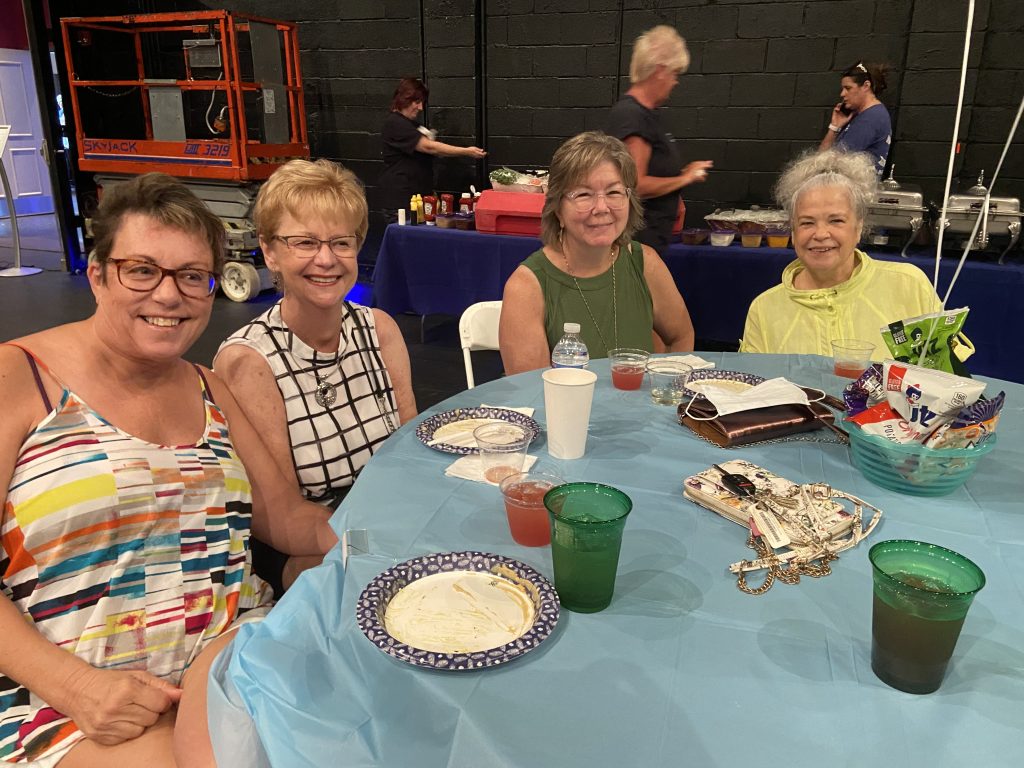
<point>935,335</point>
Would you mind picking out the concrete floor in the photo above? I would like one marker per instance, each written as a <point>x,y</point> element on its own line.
<point>33,303</point>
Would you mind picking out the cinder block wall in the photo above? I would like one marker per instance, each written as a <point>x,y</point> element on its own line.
<point>762,79</point>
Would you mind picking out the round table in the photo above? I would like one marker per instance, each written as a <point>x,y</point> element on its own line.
<point>682,668</point>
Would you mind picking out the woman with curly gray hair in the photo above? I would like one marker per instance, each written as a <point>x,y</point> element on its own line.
<point>590,270</point>
<point>832,290</point>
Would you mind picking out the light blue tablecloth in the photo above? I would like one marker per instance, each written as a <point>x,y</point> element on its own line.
<point>682,668</point>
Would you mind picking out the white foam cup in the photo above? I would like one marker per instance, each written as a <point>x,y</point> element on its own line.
<point>568,395</point>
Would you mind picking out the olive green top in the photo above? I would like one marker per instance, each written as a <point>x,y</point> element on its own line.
<point>564,304</point>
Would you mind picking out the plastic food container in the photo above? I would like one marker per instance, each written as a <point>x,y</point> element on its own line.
<point>777,238</point>
<point>694,236</point>
<point>446,222</point>
<point>722,238</point>
<point>912,468</point>
<point>751,241</point>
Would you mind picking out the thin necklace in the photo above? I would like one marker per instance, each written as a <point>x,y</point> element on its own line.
<point>615,303</point>
<point>326,393</point>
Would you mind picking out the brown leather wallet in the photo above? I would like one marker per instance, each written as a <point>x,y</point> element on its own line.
<point>745,427</point>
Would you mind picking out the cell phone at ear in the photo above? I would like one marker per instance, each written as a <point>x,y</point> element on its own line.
<point>845,109</point>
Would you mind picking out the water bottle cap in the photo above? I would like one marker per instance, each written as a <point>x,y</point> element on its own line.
<point>571,328</point>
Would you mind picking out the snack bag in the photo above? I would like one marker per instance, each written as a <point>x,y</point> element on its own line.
<point>973,426</point>
<point>927,398</point>
<point>880,419</point>
<point>946,350</point>
<point>865,391</point>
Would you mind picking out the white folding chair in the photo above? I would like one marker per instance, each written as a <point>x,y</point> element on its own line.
<point>478,329</point>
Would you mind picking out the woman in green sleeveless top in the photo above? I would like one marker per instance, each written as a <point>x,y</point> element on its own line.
<point>590,270</point>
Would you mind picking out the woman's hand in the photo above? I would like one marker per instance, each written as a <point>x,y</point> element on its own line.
<point>475,152</point>
<point>840,118</point>
<point>110,707</point>
<point>696,171</point>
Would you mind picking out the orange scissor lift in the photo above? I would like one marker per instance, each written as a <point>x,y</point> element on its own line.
<point>213,97</point>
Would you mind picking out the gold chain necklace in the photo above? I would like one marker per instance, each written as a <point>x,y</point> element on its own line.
<point>615,303</point>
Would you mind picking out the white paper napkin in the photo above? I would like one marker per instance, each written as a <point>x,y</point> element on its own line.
<point>694,361</point>
<point>470,468</point>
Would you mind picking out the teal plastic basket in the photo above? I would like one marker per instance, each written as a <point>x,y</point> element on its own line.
<point>912,468</point>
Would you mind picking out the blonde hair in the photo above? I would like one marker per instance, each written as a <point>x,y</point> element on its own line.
<point>304,188</point>
<point>570,166</point>
<point>660,45</point>
<point>851,171</point>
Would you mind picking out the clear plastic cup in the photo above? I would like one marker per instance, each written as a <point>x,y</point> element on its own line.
<point>668,380</point>
<point>628,366</point>
<point>502,449</point>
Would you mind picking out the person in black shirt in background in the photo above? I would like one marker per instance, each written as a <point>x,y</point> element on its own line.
<point>659,57</point>
<point>409,148</point>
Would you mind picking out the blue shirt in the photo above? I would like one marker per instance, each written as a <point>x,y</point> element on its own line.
<point>869,131</point>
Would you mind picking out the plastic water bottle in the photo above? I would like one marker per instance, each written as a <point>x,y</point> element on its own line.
<point>570,351</point>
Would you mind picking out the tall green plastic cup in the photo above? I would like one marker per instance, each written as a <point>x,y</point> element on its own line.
<point>586,534</point>
<point>921,596</point>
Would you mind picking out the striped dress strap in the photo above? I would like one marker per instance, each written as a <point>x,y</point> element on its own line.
<point>35,364</point>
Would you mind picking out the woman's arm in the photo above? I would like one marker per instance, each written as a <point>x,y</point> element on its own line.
<point>439,148</point>
<point>280,516</point>
<point>396,359</point>
<point>521,335</point>
<point>837,120</point>
<point>656,186</point>
<point>247,374</point>
<point>671,318</point>
<point>753,337</point>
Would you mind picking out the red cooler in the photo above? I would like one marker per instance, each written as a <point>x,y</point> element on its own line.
<point>509,213</point>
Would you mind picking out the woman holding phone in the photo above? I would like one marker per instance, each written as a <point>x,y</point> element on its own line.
<point>859,121</point>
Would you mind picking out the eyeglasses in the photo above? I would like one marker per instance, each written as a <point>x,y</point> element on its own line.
<point>584,201</point>
<point>345,247</point>
<point>143,276</point>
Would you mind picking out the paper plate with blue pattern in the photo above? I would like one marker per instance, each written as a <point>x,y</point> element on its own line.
<point>458,611</point>
<point>452,431</point>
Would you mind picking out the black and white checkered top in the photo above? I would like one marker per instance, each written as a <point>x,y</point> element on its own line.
<point>329,445</point>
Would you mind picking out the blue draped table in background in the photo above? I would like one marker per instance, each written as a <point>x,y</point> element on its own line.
<point>682,669</point>
<point>430,271</point>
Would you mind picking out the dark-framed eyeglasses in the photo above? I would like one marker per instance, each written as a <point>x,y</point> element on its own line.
<point>306,247</point>
<point>584,200</point>
<point>144,276</point>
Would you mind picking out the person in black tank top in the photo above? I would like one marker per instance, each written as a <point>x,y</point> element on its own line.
<point>659,57</point>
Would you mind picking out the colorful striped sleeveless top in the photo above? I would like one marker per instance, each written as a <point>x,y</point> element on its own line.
<point>128,554</point>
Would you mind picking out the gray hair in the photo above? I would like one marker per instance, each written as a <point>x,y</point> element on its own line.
<point>658,45</point>
<point>851,171</point>
<point>570,166</point>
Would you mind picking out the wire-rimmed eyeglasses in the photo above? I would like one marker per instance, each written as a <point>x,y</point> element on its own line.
<point>144,276</point>
<point>345,247</point>
<point>584,200</point>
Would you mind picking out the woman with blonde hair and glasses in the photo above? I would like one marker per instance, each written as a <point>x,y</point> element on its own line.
<point>659,57</point>
<point>590,270</point>
<point>325,381</point>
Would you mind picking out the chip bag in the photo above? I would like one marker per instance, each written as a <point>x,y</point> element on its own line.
<point>946,348</point>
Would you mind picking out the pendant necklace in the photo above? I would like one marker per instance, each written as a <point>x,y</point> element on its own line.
<point>326,393</point>
<point>615,304</point>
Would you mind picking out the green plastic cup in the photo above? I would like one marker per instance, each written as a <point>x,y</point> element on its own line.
<point>586,534</point>
<point>921,596</point>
